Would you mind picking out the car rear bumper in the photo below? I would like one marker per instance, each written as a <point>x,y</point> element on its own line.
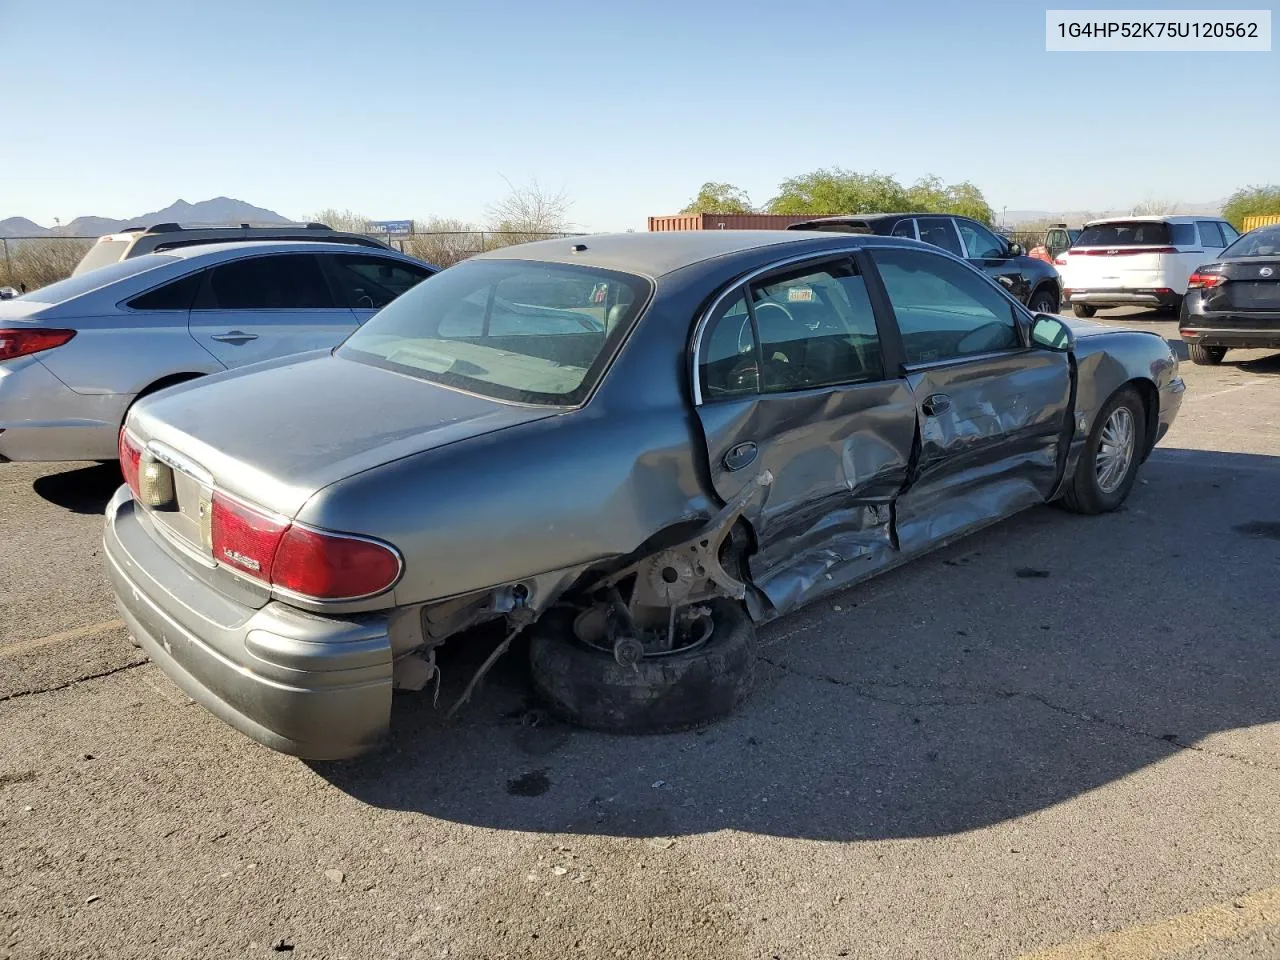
<point>1120,297</point>
<point>311,686</point>
<point>41,418</point>
<point>1240,332</point>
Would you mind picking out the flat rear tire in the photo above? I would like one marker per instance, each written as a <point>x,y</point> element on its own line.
<point>662,694</point>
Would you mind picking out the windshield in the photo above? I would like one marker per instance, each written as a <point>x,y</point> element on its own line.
<point>100,254</point>
<point>511,329</point>
<point>77,284</point>
<point>1126,233</point>
<point>1263,242</point>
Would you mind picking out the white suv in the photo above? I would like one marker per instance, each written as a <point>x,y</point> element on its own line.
<point>1138,261</point>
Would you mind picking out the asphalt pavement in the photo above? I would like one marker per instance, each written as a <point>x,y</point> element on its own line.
<point>1058,739</point>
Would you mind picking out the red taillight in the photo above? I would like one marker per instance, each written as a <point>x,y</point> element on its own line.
<point>300,560</point>
<point>20,343</point>
<point>1210,280</point>
<point>130,459</point>
<point>329,566</point>
<point>1060,261</point>
<point>244,538</point>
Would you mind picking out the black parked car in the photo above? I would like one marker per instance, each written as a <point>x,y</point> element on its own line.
<point>1234,301</point>
<point>1032,281</point>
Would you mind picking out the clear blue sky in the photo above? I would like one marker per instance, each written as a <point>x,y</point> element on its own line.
<point>409,109</point>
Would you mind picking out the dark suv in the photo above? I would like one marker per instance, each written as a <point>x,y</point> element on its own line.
<point>1032,281</point>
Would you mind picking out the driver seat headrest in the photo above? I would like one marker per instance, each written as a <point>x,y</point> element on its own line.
<point>616,313</point>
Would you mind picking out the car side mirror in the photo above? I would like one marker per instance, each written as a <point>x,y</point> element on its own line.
<point>1050,333</point>
<point>1015,249</point>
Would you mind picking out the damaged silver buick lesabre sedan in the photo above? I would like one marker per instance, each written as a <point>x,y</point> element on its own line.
<point>633,449</point>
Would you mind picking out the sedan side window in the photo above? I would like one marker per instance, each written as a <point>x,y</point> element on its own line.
<point>945,309</point>
<point>905,228</point>
<point>816,328</point>
<point>176,295</point>
<point>277,282</point>
<point>981,243</point>
<point>727,364</point>
<point>370,283</point>
<point>941,232</point>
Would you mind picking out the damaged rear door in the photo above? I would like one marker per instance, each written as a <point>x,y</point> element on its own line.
<point>991,408</point>
<point>790,378</point>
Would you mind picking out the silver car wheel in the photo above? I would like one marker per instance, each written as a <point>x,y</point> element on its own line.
<point>1115,450</point>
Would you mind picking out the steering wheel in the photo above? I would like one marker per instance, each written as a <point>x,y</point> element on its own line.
<point>989,336</point>
<point>776,306</point>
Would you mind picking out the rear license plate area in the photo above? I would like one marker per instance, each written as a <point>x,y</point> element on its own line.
<point>1256,294</point>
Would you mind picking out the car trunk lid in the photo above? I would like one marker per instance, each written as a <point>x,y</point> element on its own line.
<point>275,434</point>
<point>22,311</point>
<point>1251,285</point>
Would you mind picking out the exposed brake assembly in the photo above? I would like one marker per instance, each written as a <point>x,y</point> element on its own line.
<point>668,608</point>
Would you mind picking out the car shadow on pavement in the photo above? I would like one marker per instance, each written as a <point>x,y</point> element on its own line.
<point>1263,365</point>
<point>84,490</point>
<point>1018,669</point>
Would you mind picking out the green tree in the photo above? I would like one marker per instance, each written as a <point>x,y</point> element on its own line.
<point>836,190</point>
<point>966,200</point>
<point>932,195</point>
<point>720,198</point>
<point>1251,201</point>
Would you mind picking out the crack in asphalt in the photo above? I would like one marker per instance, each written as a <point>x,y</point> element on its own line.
<point>20,694</point>
<point>983,697</point>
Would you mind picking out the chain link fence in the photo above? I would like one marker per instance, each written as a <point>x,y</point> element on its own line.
<point>1027,238</point>
<point>444,249</point>
<point>27,263</point>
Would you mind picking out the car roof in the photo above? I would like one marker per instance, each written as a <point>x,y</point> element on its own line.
<point>214,250</point>
<point>840,217</point>
<point>665,251</point>
<point>1180,218</point>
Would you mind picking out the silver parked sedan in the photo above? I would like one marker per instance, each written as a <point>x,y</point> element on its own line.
<point>75,354</point>
<point>635,448</point>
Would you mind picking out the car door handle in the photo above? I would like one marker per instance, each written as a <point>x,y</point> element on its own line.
<point>235,336</point>
<point>742,455</point>
<point>936,404</point>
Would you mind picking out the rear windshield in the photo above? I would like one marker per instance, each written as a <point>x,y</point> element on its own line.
<point>1263,242</point>
<point>1128,233</point>
<point>76,284</point>
<point>511,329</point>
<point>100,254</point>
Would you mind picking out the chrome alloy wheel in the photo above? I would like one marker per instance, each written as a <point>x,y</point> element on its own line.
<point>1115,449</point>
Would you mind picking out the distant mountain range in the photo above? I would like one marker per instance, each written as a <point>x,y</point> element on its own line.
<point>219,210</point>
<point>1074,218</point>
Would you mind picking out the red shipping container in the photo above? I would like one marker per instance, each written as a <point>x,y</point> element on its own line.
<point>726,221</point>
